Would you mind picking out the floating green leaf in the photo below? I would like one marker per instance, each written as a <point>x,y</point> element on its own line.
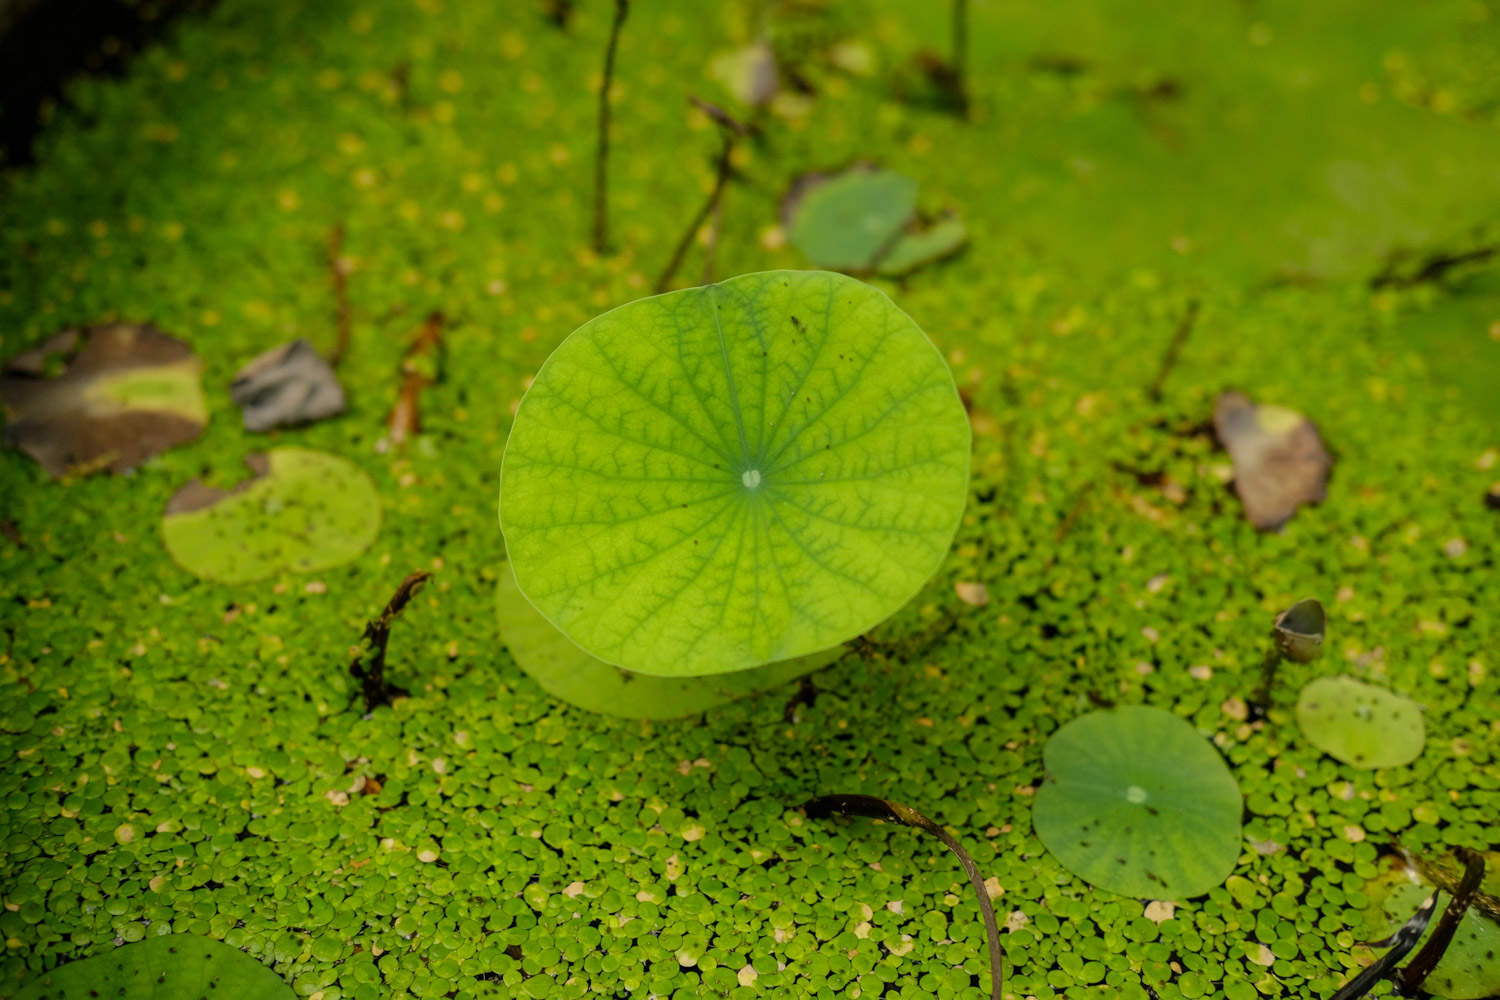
<point>736,474</point>
<point>301,511</point>
<point>1470,968</point>
<point>168,967</point>
<point>1360,724</point>
<point>847,220</point>
<point>1136,802</point>
<point>921,245</point>
<point>567,672</point>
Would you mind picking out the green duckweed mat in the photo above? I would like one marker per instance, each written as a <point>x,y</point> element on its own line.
<point>183,756</point>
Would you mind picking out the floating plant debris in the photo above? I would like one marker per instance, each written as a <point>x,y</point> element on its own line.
<point>1280,462</point>
<point>285,386</point>
<point>106,397</point>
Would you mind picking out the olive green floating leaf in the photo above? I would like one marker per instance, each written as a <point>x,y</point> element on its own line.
<point>736,474</point>
<point>1137,802</point>
<point>847,220</point>
<point>923,244</point>
<point>1360,724</point>
<point>567,672</point>
<point>1469,968</point>
<point>168,967</point>
<point>108,397</point>
<point>301,511</point>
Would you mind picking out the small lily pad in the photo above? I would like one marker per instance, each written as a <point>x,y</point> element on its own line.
<point>167,967</point>
<point>108,397</point>
<point>1360,724</point>
<point>923,244</point>
<point>736,474</point>
<point>847,220</point>
<point>1136,802</point>
<point>1469,968</point>
<point>301,511</point>
<point>567,672</point>
<point>1280,462</point>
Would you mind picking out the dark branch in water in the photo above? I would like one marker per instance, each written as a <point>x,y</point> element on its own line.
<point>732,131</point>
<point>601,150</point>
<point>871,807</point>
<point>375,689</point>
<point>1410,979</point>
<point>1401,942</point>
<point>1174,351</point>
<point>1433,267</point>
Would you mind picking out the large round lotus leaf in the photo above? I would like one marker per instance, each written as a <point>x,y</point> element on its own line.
<point>1469,968</point>
<point>567,672</point>
<point>169,967</point>
<point>731,475</point>
<point>301,511</point>
<point>848,220</point>
<point>1138,803</point>
<point>1360,724</point>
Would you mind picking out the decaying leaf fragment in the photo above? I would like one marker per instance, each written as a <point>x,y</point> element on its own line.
<point>1280,462</point>
<point>125,393</point>
<point>289,384</point>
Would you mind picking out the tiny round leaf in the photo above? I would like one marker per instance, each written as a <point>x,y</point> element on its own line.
<point>1360,724</point>
<point>1136,802</point>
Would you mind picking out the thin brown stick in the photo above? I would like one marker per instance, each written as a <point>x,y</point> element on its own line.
<point>1174,350</point>
<point>711,250</point>
<point>732,131</point>
<point>375,689</point>
<point>1415,972</point>
<point>419,370</point>
<point>340,293</point>
<point>873,808</point>
<point>601,150</point>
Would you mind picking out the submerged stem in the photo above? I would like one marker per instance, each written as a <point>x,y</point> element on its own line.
<point>1412,976</point>
<point>874,808</point>
<point>601,150</point>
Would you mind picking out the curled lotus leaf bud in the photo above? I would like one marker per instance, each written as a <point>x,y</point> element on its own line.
<point>1299,631</point>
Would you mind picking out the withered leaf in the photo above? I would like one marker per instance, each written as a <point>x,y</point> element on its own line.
<point>126,393</point>
<point>1280,462</point>
<point>287,385</point>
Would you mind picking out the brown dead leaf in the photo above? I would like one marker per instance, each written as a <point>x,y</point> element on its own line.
<point>125,393</point>
<point>1280,461</point>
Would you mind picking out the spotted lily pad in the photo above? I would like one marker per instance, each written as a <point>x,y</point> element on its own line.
<point>168,967</point>
<point>567,672</point>
<point>1280,462</point>
<point>1469,968</point>
<point>1360,724</point>
<point>1136,802</point>
<point>736,474</point>
<point>108,397</point>
<point>301,511</point>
